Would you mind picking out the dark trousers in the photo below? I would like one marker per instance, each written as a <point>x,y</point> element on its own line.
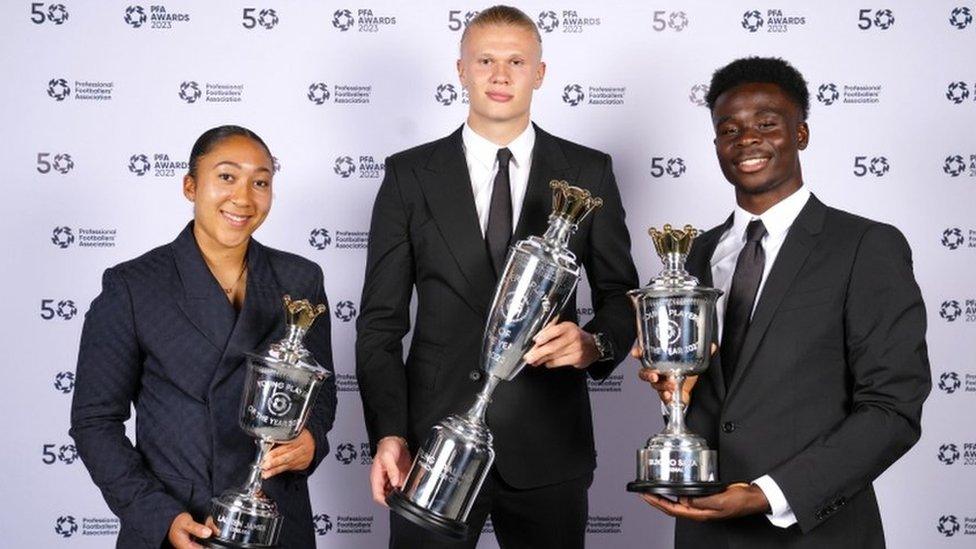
<point>538,518</point>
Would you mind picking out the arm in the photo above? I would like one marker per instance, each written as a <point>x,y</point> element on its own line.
<point>611,274</point>
<point>385,315</point>
<point>888,361</point>
<point>107,382</point>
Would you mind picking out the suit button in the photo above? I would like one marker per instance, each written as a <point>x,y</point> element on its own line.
<point>474,375</point>
<point>728,426</point>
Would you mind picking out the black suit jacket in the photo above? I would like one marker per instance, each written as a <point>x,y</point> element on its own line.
<point>425,236</point>
<point>163,336</point>
<point>829,387</point>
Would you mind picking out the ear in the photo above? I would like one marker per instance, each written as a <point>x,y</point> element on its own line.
<point>189,187</point>
<point>461,74</point>
<point>802,136</point>
<point>540,74</point>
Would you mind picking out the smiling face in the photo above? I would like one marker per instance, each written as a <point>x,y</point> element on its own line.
<point>231,193</point>
<point>500,66</point>
<point>759,132</point>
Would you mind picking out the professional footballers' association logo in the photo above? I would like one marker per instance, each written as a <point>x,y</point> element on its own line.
<point>884,19</point>
<point>343,20</point>
<point>961,17</point>
<point>573,95</point>
<point>344,166</point>
<point>698,93</point>
<point>65,526</point>
<point>952,238</point>
<point>957,92</point>
<point>139,164</point>
<point>345,311</point>
<point>675,167</point>
<point>57,14</point>
<point>323,524</point>
<point>319,239</point>
<point>948,453</point>
<point>135,16</point>
<point>950,310</point>
<point>948,525</point>
<point>64,382</point>
<point>58,89</point>
<point>678,20</point>
<point>346,453</point>
<point>63,163</point>
<point>954,165</point>
<point>548,21</point>
<point>828,94</point>
<point>318,93</point>
<point>949,382</point>
<point>268,18</point>
<point>190,91</point>
<point>446,94</point>
<point>752,21</point>
<point>62,237</point>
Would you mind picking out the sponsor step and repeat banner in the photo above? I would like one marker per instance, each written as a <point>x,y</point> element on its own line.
<point>102,101</point>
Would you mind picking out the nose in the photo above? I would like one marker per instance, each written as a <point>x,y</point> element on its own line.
<point>499,73</point>
<point>748,137</point>
<point>241,196</point>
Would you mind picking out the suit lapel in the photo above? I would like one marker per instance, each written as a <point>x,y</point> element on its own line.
<point>548,163</point>
<point>800,240</point>
<point>700,264</point>
<point>201,298</point>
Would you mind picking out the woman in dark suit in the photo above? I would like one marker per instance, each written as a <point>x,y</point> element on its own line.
<point>168,335</point>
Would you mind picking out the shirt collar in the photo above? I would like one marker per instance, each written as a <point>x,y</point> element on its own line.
<point>485,152</point>
<point>777,219</point>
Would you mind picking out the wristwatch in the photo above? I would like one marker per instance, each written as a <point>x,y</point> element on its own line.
<point>604,346</point>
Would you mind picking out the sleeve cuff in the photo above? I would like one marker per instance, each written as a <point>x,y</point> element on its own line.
<point>780,515</point>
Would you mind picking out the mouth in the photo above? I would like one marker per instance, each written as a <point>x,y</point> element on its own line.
<point>238,221</point>
<point>752,164</point>
<point>500,97</point>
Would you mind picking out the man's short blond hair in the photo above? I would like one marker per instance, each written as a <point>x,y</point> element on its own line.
<point>503,15</point>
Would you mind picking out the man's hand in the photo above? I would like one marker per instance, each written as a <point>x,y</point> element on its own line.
<point>294,455</point>
<point>181,530</point>
<point>738,500</point>
<point>664,385</point>
<point>390,467</point>
<point>562,344</point>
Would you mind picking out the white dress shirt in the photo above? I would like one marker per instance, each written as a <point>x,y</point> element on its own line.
<point>777,221</point>
<point>481,156</point>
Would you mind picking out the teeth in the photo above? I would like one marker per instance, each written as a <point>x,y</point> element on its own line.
<point>236,218</point>
<point>752,162</point>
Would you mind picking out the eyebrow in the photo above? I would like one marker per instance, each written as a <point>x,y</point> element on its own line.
<point>238,166</point>
<point>762,111</point>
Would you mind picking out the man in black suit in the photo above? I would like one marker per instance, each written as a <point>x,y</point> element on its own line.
<point>442,222</point>
<point>818,384</point>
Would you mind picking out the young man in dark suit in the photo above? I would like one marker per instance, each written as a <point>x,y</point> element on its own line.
<point>822,369</point>
<point>442,222</point>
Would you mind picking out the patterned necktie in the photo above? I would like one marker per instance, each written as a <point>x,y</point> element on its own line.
<point>742,296</point>
<point>499,230</point>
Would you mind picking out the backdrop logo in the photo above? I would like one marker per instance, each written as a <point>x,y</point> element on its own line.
<point>956,92</point>
<point>66,309</point>
<point>322,523</point>
<point>62,237</point>
<point>566,21</point>
<point>948,525</point>
<point>319,93</point>
<point>960,17</point>
<point>64,382</point>
<point>190,91</point>
<point>877,166</point>
<point>56,13</point>
<point>159,17</point>
<point>347,452</point>
<point>345,311</point>
<point>883,19</point>
<point>365,20</point>
<point>367,168</point>
<point>447,94</point>
<point>319,239</point>
<point>952,238</point>
<point>548,21</point>
<point>950,310</point>
<point>65,526</point>
<point>774,20</point>
<point>948,454</point>
<point>955,165</point>
<point>268,18</point>
<point>139,164</point>
<point>161,165</point>
<point>67,454</point>
<point>61,163</point>
<point>344,167</point>
<point>135,16</point>
<point>697,94</point>
<point>676,21</point>
<point>828,94</point>
<point>455,22</point>
<point>604,524</point>
<point>949,382</point>
<point>58,89</point>
<point>577,94</point>
<point>674,166</point>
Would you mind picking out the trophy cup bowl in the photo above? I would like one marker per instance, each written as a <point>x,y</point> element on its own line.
<point>279,390</point>
<point>540,276</point>
<point>676,326</point>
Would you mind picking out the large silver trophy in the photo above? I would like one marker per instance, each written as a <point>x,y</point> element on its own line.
<point>279,391</point>
<point>675,326</point>
<point>540,276</point>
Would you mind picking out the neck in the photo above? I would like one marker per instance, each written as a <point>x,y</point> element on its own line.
<point>759,203</point>
<point>217,256</point>
<point>499,133</point>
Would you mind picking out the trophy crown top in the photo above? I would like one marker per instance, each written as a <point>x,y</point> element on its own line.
<point>301,314</point>
<point>572,203</point>
<point>669,240</point>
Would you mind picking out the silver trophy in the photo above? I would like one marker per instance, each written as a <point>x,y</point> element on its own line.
<point>540,275</point>
<point>279,391</point>
<point>676,326</point>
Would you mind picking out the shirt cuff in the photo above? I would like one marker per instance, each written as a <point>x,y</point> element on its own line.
<point>780,515</point>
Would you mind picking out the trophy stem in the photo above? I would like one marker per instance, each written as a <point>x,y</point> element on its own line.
<point>676,421</point>
<point>253,484</point>
<point>479,411</point>
<point>560,229</point>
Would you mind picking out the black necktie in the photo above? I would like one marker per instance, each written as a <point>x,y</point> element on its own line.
<point>499,230</point>
<point>738,308</point>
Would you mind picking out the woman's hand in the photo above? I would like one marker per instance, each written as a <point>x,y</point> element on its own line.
<point>294,455</point>
<point>184,529</point>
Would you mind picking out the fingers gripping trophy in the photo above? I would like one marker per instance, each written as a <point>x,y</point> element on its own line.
<point>539,277</point>
<point>675,329</point>
<point>279,392</point>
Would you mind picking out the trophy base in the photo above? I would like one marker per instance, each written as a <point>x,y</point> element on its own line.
<point>213,543</point>
<point>453,529</point>
<point>676,489</point>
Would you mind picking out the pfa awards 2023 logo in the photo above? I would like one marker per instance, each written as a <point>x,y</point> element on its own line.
<point>348,453</point>
<point>158,17</point>
<point>156,165</point>
<point>771,20</point>
<point>566,21</point>
<point>956,165</point>
<point>575,95</point>
<point>963,454</point>
<point>361,20</point>
<point>362,167</point>
<point>958,310</point>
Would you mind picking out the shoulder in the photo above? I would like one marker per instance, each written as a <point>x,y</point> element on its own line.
<point>418,155</point>
<point>292,266</point>
<point>148,268</point>
<point>862,230</point>
<point>575,153</point>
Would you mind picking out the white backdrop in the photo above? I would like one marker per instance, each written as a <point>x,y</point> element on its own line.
<point>102,100</point>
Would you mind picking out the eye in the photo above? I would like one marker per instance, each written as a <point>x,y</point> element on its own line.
<point>260,183</point>
<point>518,62</point>
<point>728,130</point>
<point>767,124</point>
<point>484,61</point>
<point>226,177</point>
